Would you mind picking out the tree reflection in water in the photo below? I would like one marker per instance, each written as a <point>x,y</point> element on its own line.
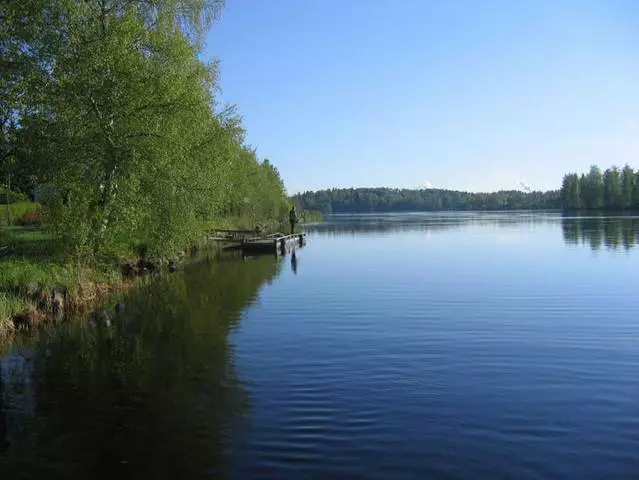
<point>600,231</point>
<point>154,395</point>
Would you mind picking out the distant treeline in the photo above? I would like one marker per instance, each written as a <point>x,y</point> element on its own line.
<point>613,189</point>
<point>359,200</point>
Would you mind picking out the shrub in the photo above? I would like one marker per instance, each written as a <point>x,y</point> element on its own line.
<point>12,197</point>
<point>30,218</point>
<point>16,211</point>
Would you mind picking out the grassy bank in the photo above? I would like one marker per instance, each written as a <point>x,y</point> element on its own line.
<point>13,213</point>
<point>9,306</point>
<point>37,278</point>
<point>33,266</point>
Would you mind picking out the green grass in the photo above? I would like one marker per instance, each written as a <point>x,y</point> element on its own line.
<point>30,256</point>
<point>16,210</point>
<point>33,243</point>
<point>9,304</point>
<point>31,259</point>
<point>16,274</point>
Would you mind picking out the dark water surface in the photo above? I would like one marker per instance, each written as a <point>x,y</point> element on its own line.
<point>390,347</point>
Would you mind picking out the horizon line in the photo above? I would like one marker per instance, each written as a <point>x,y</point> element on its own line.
<point>300,192</point>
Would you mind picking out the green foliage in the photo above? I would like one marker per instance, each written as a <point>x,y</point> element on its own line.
<point>111,107</point>
<point>30,256</point>
<point>307,216</point>
<point>33,255</point>
<point>627,186</point>
<point>396,200</point>
<point>16,274</point>
<point>613,190</point>
<point>9,304</point>
<point>591,187</point>
<point>7,196</point>
<point>16,211</point>
<point>571,191</point>
<point>31,218</point>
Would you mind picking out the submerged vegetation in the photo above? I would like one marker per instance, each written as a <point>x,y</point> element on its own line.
<point>109,119</point>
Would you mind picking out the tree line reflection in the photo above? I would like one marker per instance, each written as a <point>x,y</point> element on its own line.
<point>599,232</point>
<point>356,225</point>
<point>611,232</point>
<point>150,392</point>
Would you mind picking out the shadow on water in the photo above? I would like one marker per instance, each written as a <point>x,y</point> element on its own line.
<point>597,232</point>
<point>150,393</point>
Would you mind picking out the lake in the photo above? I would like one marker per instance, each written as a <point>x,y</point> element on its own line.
<point>408,346</point>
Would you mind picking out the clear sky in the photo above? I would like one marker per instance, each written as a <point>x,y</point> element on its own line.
<point>463,94</point>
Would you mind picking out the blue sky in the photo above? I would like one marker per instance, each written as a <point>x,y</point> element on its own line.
<point>463,94</point>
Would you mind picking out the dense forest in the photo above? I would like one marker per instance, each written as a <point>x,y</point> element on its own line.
<point>352,200</point>
<point>613,189</point>
<point>106,106</point>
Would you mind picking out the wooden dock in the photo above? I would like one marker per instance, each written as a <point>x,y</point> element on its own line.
<point>252,242</point>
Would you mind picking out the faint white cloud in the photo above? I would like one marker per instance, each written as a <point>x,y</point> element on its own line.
<point>524,186</point>
<point>428,184</point>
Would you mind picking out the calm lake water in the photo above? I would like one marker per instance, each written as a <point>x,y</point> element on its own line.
<point>390,347</point>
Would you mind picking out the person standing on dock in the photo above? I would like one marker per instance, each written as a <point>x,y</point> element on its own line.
<point>292,218</point>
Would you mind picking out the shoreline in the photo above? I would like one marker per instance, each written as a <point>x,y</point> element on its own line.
<point>42,290</point>
<point>44,305</point>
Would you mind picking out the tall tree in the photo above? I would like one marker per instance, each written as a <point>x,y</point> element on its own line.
<point>124,123</point>
<point>570,191</point>
<point>592,188</point>
<point>29,44</point>
<point>612,188</point>
<point>627,186</point>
